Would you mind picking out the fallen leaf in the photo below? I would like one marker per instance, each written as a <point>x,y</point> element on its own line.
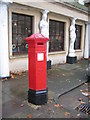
<point>78,115</point>
<point>81,90</point>
<point>57,105</point>
<point>85,83</point>
<point>86,110</point>
<point>14,103</point>
<point>67,79</point>
<point>36,107</point>
<point>22,105</point>
<point>86,89</point>
<point>66,113</point>
<point>86,113</point>
<point>29,116</point>
<point>49,109</point>
<point>63,74</point>
<point>80,99</point>
<point>82,102</point>
<point>50,101</point>
<point>12,76</point>
<point>24,71</point>
<point>19,74</point>
<point>24,75</point>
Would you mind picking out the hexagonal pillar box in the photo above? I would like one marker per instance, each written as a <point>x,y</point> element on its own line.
<point>37,93</point>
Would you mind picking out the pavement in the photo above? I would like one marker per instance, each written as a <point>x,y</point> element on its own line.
<point>65,85</point>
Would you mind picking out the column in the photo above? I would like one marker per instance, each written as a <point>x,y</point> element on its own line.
<point>86,52</point>
<point>4,51</point>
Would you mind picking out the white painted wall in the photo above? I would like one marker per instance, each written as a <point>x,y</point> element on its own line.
<point>20,63</point>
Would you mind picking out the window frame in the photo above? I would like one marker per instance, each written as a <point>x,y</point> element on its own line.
<point>25,24</point>
<point>80,37</point>
<point>62,23</point>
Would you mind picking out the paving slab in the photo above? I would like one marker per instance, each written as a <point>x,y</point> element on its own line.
<point>73,99</point>
<point>60,79</point>
<point>63,78</point>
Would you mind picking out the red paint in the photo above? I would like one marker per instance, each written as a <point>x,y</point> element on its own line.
<point>37,69</point>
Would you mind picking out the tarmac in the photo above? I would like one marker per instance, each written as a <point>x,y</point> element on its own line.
<point>61,80</point>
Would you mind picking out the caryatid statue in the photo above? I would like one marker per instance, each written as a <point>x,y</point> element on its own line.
<point>44,27</point>
<point>72,38</point>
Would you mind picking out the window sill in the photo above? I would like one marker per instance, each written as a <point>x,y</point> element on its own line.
<point>78,50</point>
<point>18,56</point>
<point>60,52</point>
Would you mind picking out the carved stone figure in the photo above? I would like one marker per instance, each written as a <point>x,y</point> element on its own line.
<point>72,38</point>
<point>44,27</point>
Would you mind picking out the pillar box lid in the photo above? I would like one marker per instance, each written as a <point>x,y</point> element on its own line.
<point>36,38</point>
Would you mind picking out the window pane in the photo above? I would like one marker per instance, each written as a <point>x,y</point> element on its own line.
<point>14,43</point>
<point>57,28</point>
<point>21,28</point>
<point>56,42</point>
<point>78,37</point>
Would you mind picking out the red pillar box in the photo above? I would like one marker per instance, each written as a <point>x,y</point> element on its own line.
<point>37,93</point>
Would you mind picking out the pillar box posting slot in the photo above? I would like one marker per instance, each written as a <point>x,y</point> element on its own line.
<point>37,93</point>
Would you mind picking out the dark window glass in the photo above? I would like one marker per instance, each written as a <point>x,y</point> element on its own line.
<point>78,37</point>
<point>21,28</point>
<point>56,35</point>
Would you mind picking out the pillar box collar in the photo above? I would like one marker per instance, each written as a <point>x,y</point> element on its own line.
<point>35,37</point>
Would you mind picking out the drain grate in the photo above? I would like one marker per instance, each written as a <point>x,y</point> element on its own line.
<point>84,108</point>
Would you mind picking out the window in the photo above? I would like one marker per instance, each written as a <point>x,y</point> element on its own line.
<point>56,35</point>
<point>78,37</point>
<point>21,28</point>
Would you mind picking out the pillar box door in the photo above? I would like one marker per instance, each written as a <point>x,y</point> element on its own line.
<point>37,93</point>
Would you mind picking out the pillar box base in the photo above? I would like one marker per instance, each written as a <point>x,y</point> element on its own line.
<point>48,64</point>
<point>71,60</point>
<point>38,97</point>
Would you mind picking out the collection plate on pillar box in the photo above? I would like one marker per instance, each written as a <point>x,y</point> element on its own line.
<point>40,56</point>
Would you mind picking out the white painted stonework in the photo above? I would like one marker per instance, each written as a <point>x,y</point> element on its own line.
<point>72,38</point>
<point>81,2</point>
<point>58,12</point>
<point>4,55</point>
<point>44,28</point>
<point>87,39</point>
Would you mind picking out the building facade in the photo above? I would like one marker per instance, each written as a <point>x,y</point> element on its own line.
<point>24,20</point>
